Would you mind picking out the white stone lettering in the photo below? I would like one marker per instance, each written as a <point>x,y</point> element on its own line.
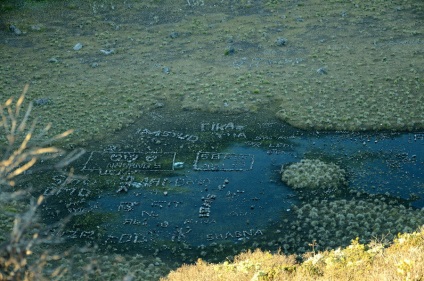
<point>234,234</point>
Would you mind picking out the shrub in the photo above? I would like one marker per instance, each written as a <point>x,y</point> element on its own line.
<point>23,146</point>
<point>403,260</point>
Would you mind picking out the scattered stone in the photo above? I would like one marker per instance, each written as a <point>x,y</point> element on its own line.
<point>230,51</point>
<point>178,165</point>
<point>36,27</point>
<point>107,52</point>
<point>15,30</point>
<point>77,47</point>
<point>174,35</point>
<point>281,41</point>
<point>166,70</point>
<point>42,101</point>
<point>205,209</point>
<point>321,70</point>
<point>122,188</point>
<point>53,60</point>
<point>159,105</point>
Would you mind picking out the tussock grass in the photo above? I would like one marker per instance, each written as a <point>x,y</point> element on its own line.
<point>21,148</point>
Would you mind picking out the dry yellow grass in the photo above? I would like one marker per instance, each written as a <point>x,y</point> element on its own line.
<point>403,260</point>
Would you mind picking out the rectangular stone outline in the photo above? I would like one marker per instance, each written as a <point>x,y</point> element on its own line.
<point>197,167</point>
<point>99,169</point>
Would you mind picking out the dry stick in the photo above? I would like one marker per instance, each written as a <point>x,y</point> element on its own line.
<point>26,116</point>
<point>71,157</point>
<point>14,116</point>
<point>21,99</point>
<point>15,163</point>
<point>10,167</point>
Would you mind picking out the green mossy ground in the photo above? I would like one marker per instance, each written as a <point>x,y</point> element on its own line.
<point>371,53</point>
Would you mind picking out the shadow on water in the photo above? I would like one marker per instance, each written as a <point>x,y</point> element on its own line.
<point>194,184</point>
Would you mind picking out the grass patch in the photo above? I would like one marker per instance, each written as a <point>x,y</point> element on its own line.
<point>402,260</point>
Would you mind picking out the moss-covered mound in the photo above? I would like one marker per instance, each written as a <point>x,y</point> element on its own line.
<point>336,223</point>
<point>313,174</point>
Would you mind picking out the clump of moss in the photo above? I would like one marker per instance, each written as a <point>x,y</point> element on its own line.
<point>90,220</point>
<point>313,174</point>
<point>334,223</point>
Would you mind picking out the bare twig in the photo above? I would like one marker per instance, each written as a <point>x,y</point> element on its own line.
<point>23,151</point>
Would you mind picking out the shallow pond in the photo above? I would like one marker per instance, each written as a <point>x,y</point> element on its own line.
<point>185,186</point>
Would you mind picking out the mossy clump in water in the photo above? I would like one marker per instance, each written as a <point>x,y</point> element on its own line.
<point>313,174</point>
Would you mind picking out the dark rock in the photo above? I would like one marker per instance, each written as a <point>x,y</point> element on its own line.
<point>281,41</point>
<point>42,101</point>
<point>15,30</point>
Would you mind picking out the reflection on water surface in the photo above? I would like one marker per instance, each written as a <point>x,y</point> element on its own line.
<point>189,187</point>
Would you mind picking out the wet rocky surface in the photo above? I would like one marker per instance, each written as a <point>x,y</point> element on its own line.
<point>190,185</point>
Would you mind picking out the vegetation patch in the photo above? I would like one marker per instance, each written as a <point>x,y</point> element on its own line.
<point>373,261</point>
<point>313,174</point>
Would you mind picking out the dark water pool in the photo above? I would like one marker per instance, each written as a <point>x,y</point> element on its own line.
<point>168,186</point>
